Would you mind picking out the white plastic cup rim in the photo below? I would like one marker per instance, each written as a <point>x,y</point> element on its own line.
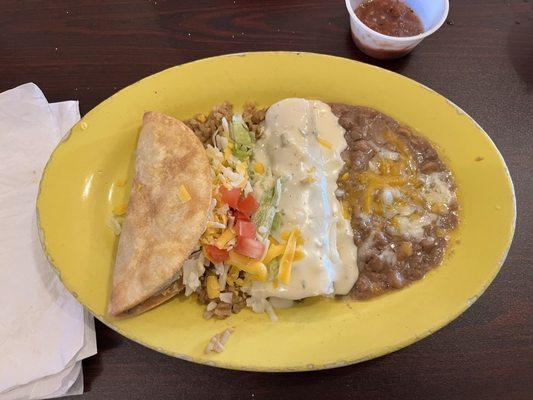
<point>418,38</point>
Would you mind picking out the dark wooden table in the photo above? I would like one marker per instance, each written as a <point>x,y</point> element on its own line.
<point>481,59</point>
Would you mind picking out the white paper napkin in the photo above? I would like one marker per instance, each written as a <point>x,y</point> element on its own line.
<point>44,331</point>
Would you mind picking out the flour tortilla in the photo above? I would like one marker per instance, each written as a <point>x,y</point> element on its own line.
<point>160,231</point>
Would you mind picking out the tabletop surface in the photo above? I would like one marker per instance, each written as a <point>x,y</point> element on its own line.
<point>481,59</point>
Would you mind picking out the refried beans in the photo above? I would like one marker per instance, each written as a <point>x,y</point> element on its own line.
<point>400,198</point>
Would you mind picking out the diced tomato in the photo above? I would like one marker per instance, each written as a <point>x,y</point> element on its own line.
<point>240,216</point>
<point>245,228</point>
<point>230,197</point>
<point>248,205</point>
<point>249,247</point>
<point>215,254</point>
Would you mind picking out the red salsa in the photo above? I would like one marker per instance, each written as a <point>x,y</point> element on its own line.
<point>389,17</point>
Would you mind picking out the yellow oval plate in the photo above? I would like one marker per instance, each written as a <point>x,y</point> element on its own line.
<point>83,182</point>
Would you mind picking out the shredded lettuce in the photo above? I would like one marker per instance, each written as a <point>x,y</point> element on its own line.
<point>242,138</point>
<point>266,214</point>
<point>242,152</point>
<point>252,174</point>
<point>276,223</point>
<point>225,127</point>
<point>273,269</point>
<point>239,131</point>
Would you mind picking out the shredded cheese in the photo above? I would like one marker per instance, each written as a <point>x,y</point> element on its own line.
<point>272,240</point>
<point>233,276</point>
<point>274,250</point>
<point>183,194</point>
<point>223,239</point>
<point>256,269</point>
<point>227,153</point>
<point>285,264</point>
<point>258,167</point>
<point>296,231</point>
<point>309,179</point>
<point>324,143</point>
<point>285,235</point>
<point>120,209</point>
<point>212,287</point>
<point>298,255</point>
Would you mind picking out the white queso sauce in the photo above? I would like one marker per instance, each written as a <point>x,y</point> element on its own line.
<point>302,143</point>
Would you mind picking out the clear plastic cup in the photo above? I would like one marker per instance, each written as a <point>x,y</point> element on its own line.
<point>432,13</point>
